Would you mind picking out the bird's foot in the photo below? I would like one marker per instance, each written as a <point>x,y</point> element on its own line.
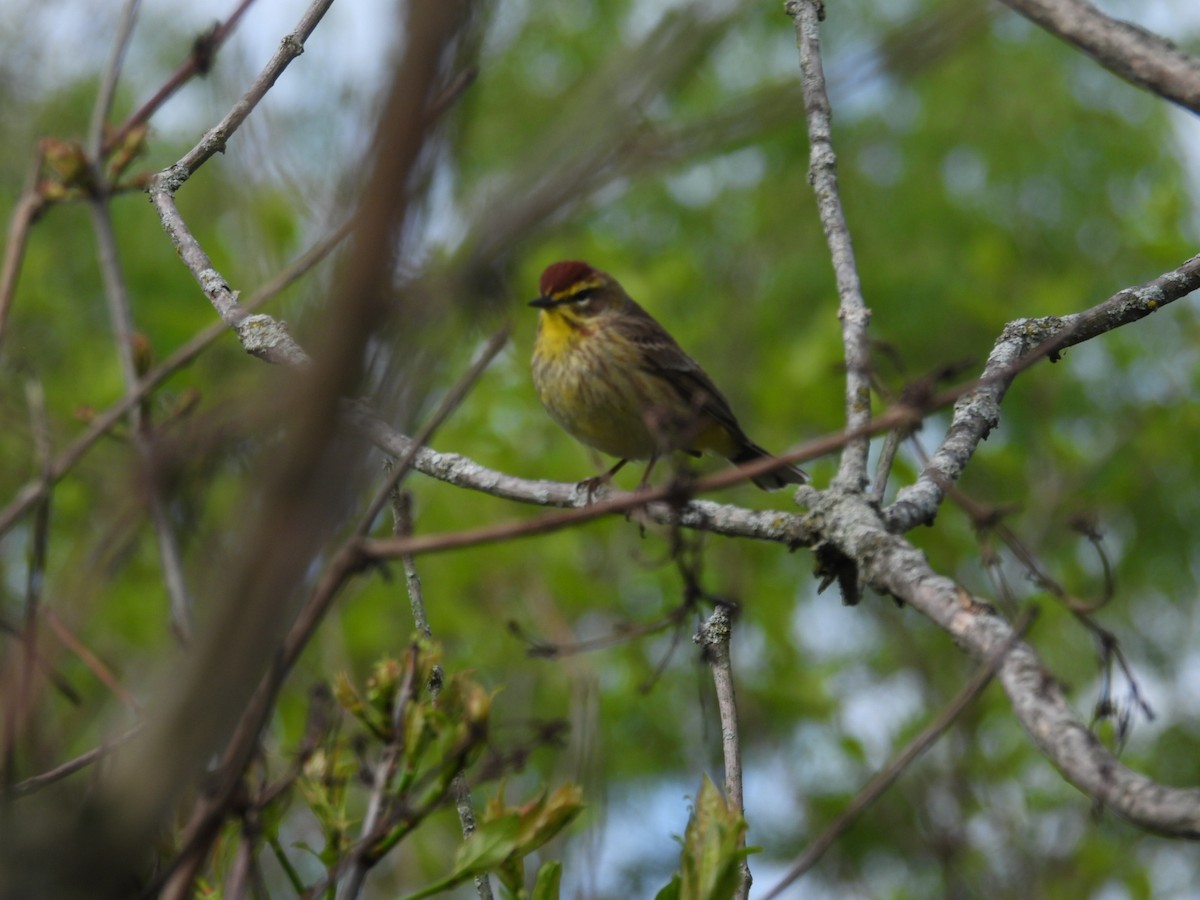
<point>589,486</point>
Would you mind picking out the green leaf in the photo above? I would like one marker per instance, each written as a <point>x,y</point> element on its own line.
<point>544,817</point>
<point>712,848</point>
<point>486,849</point>
<point>489,846</point>
<point>549,881</point>
<point>671,891</point>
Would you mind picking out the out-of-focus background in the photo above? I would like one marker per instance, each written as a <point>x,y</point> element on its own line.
<point>989,172</point>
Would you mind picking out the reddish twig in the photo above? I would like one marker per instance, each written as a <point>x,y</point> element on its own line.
<point>199,62</point>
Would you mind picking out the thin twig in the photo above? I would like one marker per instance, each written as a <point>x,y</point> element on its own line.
<point>108,82</point>
<point>199,62</point>
<point>215,138</point>
<point>58,773</point>
<point>402,525</point>
<point>25,213</point>
<point>103,672</point>
<point>883,466</point>
<point>34,491</point>
<point>121,319</point>
<point>877,786</point>
<point>24,665</point>
<point>988,521</point>
<point>852,309</point>
<point>1020,344</point>
<point>385,769</point>
<point>445,409</point>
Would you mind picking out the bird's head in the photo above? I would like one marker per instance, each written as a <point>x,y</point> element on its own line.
<point>576,291</point>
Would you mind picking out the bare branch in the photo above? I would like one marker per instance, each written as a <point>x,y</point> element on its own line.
<point>121,319</point>
<point>28,208</point>
<point>1020,343</point>
<point>108,83</point>
<point>402,525</point>
<point>216,137</point>
<point>852,309</point>
<point>1139,56</point>
<point>199,62</point>
<point>261,335</point>
<point>58,773</point>
<point>660,505</point>
<point>893,566</point>
<point>103,673</point>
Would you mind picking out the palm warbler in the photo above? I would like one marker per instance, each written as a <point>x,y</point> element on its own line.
<point>617,381</point>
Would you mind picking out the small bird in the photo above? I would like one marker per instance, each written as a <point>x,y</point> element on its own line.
<point>616,380</point>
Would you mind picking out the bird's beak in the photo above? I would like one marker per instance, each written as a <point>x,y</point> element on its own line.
<point>542,302</point>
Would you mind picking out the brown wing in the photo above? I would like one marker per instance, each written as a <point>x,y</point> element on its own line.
<point>663,356</point>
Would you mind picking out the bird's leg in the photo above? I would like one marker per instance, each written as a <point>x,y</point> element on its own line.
<point>639,514</point>
<point>591,484</point>
<point>645,482</point>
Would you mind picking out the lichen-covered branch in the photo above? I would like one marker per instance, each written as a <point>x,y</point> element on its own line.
<point>892,565</point>
<point>852,309</point>
<point>1022,343</point>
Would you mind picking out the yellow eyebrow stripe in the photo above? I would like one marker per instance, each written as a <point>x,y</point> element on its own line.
<point>577,287</point>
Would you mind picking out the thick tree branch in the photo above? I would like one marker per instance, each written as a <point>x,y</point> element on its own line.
<point>893,566</point>
<point>108,82</point>
<point>261,335</point>
<point>1137,55</point>
<point>719,518</point>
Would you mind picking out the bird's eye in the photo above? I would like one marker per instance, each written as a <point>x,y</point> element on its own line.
<point>583,296</point>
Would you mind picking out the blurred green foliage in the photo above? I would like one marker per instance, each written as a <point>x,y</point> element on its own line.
<point>988,173</point>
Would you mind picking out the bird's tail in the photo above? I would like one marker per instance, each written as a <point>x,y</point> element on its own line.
<point>769,481</point>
